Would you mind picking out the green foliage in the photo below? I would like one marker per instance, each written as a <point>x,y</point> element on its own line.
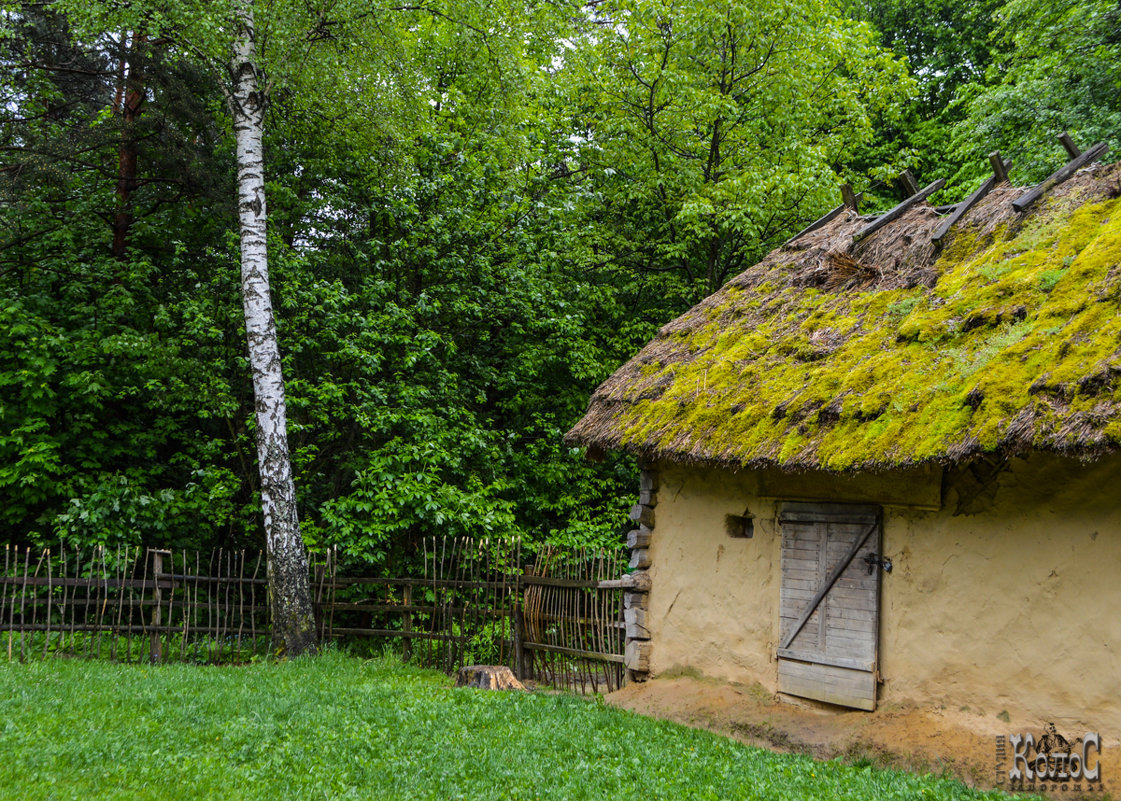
<point>947,47</point>
<point>1058,69</point>
<point>436,356</point>
<point>438,332</point>
<point>337,727</point>
<point>109,437</point>
<point>902,308</point>
<point>194,649</point>
<point>1049,279</point>
<point>946,44</point>
<point>113,397</point>
<point>714,130</point>
<point>994,75</point>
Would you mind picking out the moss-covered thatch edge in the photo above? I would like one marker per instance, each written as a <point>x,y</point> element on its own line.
<point>889,354</point>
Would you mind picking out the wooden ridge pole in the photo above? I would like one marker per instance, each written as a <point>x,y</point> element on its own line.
<point>1021,203</point>
<point>830,215</point>
<point>971,201</point>
<point>898,211</point>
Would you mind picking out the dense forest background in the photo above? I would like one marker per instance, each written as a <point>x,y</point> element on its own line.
<point>477,212</point>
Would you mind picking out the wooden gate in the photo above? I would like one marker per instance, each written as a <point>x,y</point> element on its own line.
<point>829,603</point>
<point>572,630</point>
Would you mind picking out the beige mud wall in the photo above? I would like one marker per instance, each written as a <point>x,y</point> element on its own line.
<point>1015,608</point>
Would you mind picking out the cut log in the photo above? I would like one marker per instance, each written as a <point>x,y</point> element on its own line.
<point>648,480</point>
<point>637,656</point>
<point>640,559</point>
<point>488,677</point>
<point>639,538</point>
<point>643,515</point>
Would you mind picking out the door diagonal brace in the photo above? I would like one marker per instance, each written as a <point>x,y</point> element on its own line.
<point>828,585</point>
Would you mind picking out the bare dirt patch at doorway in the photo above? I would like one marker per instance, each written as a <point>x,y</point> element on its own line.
<point>957,743</point>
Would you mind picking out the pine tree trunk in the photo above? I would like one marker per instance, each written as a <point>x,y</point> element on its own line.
<point>293,613</point>
<point>132,92</point>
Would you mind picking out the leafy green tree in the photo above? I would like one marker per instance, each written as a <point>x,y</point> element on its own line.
<point>105,431</point>
<point>1057,68</point>
<point>947,47</point>
<point>714,129</point>
<point>448,335</point>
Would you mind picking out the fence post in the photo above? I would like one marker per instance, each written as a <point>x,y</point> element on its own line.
<point>519,632</point>
<point>155,654</point>
<point>318,574</point>
<point>407,623</point>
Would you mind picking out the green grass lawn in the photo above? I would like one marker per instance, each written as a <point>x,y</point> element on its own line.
<point>337,727</point>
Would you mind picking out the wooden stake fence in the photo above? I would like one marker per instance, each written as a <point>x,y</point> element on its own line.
<point>130,605</point>
<point>573,625</point>
<point>458,607</point>
<point>459,601</point>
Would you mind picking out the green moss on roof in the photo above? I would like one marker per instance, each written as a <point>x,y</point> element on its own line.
<point>1008,340</point>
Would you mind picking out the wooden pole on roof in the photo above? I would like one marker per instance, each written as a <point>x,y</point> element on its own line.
<point>856,199</point>
<point>899,210</point>
<point>1059,176</point>
<point>969,202</point>
<point>1068,144</point>
<point>909,183</point>
<point>1000,167</point>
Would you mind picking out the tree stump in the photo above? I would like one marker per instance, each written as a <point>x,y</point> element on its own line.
<point>488,677</point>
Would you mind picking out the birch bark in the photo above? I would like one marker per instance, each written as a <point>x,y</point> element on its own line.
<point>293,613</point>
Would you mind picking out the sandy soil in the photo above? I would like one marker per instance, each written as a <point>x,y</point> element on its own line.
<point>956,743</point>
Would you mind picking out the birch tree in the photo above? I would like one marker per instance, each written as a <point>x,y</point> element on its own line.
<point>293,614</point>
<point>225,36</point>
<point>354,59</point>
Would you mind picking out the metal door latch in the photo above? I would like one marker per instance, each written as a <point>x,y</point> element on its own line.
<point>874,560</point>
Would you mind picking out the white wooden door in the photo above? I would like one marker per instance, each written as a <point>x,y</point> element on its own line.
<point>830,603</point>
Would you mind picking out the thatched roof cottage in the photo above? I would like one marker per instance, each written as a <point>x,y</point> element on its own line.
<point>952,409</point>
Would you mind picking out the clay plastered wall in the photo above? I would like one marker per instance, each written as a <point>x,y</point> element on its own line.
<point>714,602</point>
<point>1015,608</point>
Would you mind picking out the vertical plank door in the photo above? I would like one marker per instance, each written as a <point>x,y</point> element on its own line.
<point>829,603</point>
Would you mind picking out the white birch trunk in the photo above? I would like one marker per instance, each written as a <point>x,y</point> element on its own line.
<point>293,613</point>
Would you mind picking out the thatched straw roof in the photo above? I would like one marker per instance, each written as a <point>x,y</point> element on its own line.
<point>888,353</point>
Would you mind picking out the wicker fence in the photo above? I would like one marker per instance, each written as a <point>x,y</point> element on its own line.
<point>571,620</point>
<point>456,607</point>
<point>554,617</point>
<point>130,604</point>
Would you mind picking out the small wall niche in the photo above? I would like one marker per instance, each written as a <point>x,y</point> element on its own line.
<point>740,527</point>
